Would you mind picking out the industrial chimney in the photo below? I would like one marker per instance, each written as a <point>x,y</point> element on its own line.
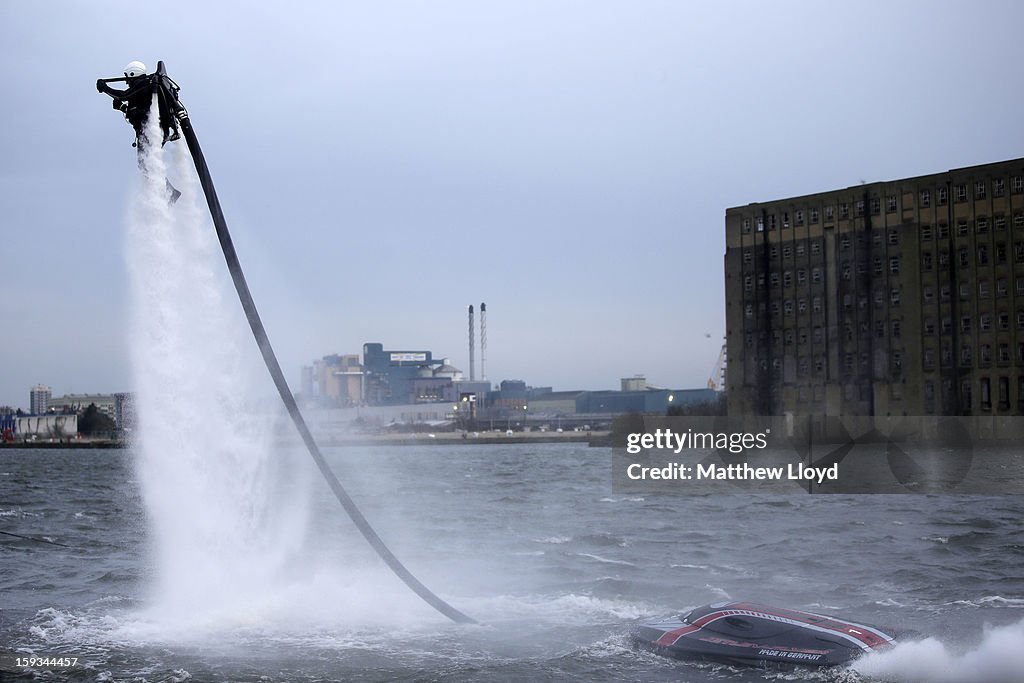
<point>472,344</point>
<point>483,340</point>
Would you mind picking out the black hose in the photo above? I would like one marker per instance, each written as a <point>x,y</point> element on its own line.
<point>286,395</point>
<point>36,539</point>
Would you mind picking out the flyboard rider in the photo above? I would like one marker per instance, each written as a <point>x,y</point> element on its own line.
<point>135,102</point>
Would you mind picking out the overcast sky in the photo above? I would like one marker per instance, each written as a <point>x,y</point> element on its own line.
<point>384,164</point>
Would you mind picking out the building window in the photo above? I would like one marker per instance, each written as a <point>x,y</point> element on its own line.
<point>1018,184</point>
<point>894,297</point>
<point>814,215</point>
<point>799,217</point>
<point>929,326</point>
<point>943,196</point>
<point>785,219</point>
<point>966,357</point>
<point>1019,285</point>
<point>1001,252</point>
<point>1018,252</point>
<point>774,277</point>
<point>961,227</point>
<point>926,260</point>
<point>944,293</point>
<point>746,226</point>
<point>801,276</point>
<point>846,271</point>
<point>1018,220</point>
<point>998,187</point>
<point>789,337</point>
<point>985,355</point>
<point>844,242</point>
<point>965,257</point>
<point>879,298</point>
<point>748,310</point>
<point>816,275</point>
<point>929,293</point>
<point>788,307</point>
<point>801,306</point>
<point>981,225</point>
<point>947,325</point>
<point>787,279</point>
<point>979,189</point>
<point>890,203</point>
<point>1004,353</point>
<point>748,256</point>
<point>986,322</point>
<point>983,290</point>
<point>965,291</point>
<point>894,237</point>
<point>748,283</point>
<point>943,230</point>
<point>1004,320</point>
<point>926,198</point>
<point>965,323</point>
<point>858,208</point>
<point>773,253</point>
<point>1004,393</point>
<point>961,192</point>
<point>1002,287</point>
<point>830,213</point>
<point>816,304</point>
<point>844,210</point>
<point>929,359</point>
<point>876,205</point>
<point>999,223</point>
<point>787,251</point>
<point>815,248</point>
<point>943,259</point>
<point>926,232</point>
<point>817,335</point>
<point>897,329</point>
<point>801,249</point>
<point>878,265</point>
<point>986,394</point>
<point>894,265</point>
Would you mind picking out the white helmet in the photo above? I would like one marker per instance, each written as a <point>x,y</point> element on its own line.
<point>134,69</point>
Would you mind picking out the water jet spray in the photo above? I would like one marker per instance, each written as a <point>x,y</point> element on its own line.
<point>175,123</point>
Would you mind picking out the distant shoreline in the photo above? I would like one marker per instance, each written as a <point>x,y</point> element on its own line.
<point>419,439</point>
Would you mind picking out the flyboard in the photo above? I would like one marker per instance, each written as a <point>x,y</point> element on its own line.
<point>135,102</point>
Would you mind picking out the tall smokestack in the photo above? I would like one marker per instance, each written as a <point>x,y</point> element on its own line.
<point>483,340</point>
<point>472,344</point>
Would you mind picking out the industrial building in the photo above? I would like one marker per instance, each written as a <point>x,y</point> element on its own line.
<point>903,297</point>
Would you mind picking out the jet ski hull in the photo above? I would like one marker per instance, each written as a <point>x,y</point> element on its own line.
<point>752,634</point>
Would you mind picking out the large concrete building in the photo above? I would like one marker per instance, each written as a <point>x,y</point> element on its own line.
<point>39,399</point>
<point>903,297</point>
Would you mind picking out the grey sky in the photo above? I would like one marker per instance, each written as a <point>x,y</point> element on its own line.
<point>382,165</point>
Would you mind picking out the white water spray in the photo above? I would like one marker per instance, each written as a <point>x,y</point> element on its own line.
<point>226,512</point>
<point>999,658</point>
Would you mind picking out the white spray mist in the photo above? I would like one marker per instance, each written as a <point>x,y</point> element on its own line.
<point>999,658</point>
<point>227,513</point>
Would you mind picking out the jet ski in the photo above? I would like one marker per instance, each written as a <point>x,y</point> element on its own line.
<point>752,634</point>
